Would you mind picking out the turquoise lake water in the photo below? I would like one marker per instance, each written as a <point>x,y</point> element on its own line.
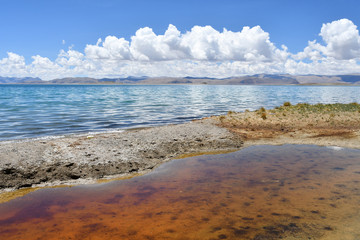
<point>28,111</point>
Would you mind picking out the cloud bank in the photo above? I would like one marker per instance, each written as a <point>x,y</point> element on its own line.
<point>202,51</point>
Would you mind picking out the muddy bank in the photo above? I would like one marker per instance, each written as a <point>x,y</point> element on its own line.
<point>26,163</point>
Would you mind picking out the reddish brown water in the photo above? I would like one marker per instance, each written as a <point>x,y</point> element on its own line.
<point>263,192</point>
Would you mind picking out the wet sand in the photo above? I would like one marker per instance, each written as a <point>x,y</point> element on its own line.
<point>260,192</point>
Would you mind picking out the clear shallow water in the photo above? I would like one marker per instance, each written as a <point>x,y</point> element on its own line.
<point>28,111</point>
<point>261,192</point>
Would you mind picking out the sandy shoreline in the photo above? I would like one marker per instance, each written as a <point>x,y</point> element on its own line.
<point>85,159</point>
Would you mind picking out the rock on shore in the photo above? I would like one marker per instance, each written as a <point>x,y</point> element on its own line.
<point>25,163</point>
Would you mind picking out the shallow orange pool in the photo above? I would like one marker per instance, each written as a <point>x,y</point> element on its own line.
<point>261,192</point>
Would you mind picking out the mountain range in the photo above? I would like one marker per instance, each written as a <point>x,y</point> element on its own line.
<point>257,79</point>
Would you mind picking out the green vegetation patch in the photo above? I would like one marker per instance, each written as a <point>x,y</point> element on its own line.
<point>320,108</point>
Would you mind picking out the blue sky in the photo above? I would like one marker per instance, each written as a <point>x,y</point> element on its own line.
<point>38,27</point>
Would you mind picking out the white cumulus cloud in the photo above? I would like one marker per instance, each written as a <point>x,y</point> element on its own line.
<point>111,48</point>
<point>13,65</point>
<point>201,43</point>
<point>147,46</point>
<point>342,42</point>
<point>342,39</point>
<point>201,51</point>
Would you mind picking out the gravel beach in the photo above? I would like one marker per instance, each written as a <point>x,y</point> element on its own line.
<point>84,158</point>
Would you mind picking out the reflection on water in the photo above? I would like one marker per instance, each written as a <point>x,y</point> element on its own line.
<point>263,192</point>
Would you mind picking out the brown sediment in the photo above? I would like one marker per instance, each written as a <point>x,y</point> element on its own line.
<point>308,194</point>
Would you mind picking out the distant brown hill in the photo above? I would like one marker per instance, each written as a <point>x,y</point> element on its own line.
<point>258,79</point>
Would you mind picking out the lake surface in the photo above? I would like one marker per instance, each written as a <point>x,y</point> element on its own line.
<point>261,192</point>
<point>28,111</point>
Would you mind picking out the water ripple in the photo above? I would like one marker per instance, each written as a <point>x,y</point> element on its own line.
<point>28,111</point>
